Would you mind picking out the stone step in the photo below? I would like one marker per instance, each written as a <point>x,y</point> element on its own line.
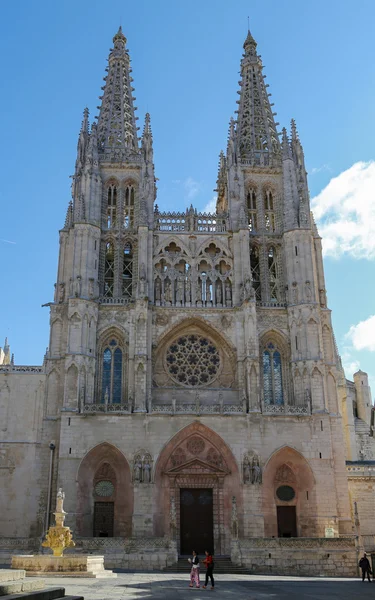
<point>71,598</point>
<point>20,585</point>
<point>11,574</point>
<point>48,594</point>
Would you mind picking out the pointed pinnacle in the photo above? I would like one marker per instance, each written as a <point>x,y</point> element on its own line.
<point>119,36</point>
<point>85,121</point>
<point>294,130</point>
<point>285,145</point>
<point>249,41</point>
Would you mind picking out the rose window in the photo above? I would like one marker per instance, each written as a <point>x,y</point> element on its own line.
<point>193,360</point>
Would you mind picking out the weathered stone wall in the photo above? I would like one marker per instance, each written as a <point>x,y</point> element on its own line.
<point>304,557</point>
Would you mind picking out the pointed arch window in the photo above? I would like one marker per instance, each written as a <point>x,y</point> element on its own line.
<point>269,213</point>
<point>109,270</point>
<point>252,210</point>
<point>272,375</point>
<point>111,392</point>
<point>255,272</point>
<point>111,206</point>
<point>129,206</point>
<point>127,271</point>
<point>273,279</point>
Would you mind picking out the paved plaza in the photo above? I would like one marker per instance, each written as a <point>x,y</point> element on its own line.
<point>142,586</point>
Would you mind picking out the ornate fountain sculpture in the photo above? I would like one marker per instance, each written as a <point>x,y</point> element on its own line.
<point>58,536</point>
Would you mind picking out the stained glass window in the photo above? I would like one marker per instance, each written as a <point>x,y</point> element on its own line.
<point>193,360</point>
<point>272,376</point>
<point>112,374</point>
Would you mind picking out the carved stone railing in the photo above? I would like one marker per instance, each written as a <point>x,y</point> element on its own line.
<point>360,470</point>
<point>292,543</point>
<point>262,159</point>
<point>105,408</point>
<point>282,409</point>
<point>201,409</point>
<point>106,300</point>
<point>21,369</point>
<point>190,221</point>
<point>272,304</point>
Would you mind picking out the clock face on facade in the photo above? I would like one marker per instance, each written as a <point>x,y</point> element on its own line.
<point>104,488</point>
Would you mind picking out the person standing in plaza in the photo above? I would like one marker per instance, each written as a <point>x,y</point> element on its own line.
<point>364,563</point>
<point>209,562</point>
<point>194,573</point>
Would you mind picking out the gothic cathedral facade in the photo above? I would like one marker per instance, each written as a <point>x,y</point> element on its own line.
<point>192,394</point>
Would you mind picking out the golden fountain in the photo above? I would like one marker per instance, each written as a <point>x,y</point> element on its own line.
<point>58,536</point>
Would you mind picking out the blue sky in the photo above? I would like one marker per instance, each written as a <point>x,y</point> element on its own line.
<point>318,58</point>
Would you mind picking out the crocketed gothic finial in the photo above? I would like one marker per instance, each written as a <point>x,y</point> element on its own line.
<point>119,36</point>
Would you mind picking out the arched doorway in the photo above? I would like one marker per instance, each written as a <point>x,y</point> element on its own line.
<point>104,494</point>
<point>289,496</point>
<point>196,478</point>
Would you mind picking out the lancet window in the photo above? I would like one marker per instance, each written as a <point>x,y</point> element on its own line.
<point>273,279</point>
<point>269,213</point>
<point>111,206</point>
<point>272,375</point>
<point>255,272</point>
<point>252,210</point>
<point>109,270</point>
<point>129,206</point>
<point>112,370</point>
<point>127,271</point>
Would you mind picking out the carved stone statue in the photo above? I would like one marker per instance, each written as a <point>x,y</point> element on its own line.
<point>188,291</point>
<point>219,293</point>
<point>77,286</point>
<point>308,291</point>
<point>60,496</point>
<point>246,470</point>
<point>142,281</point>
<point>322,298</point>
<point>61,292</point>
<point>146,471</point>
<point>228,292</point>
<point>138,470</point>
<point>180,290</point>
<point>257,471</point>
<point>198,291</point>
<point>167,292</point>
<point>157,290</point>
<point>247,289</point>
<point>91,287</point>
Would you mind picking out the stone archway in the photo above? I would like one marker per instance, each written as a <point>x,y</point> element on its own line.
<point>197,458</point>
<point>104,463</point>
<point>287,468</point>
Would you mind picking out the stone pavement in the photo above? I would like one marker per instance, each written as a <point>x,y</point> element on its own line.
<point>170,586</point>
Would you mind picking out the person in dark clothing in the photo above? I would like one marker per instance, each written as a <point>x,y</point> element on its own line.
<point>364,564</point>
<point>209,562</point>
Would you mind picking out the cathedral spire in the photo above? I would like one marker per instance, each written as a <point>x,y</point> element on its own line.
<point>257,137</point>
<point>117,131</point>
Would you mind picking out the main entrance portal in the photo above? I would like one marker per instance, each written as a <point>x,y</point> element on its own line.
<point>196,520</point>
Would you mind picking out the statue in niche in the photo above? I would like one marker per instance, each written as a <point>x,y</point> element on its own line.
<point>307,398</point>
<point>188,290</point>
<point>246,470</point>
<point>323,298</point>
<point>219,293</point>
<point>146,471</point>
<point>308,291</point>
<point>198,291</point>
<point>77,286</point>
<point>208,294</point>
<point>228,292</point>
<point>71,286</point>
<point>167,292</point>
<point>138,470</point>
<point>157,290</point>
<point>247,292</point>
<point>180,290</point>
<point>61,293</point>
<point>142,281</point>
<point>256,471</point>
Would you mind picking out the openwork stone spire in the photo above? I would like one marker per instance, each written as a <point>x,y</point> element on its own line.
<point>257,138</point>
<point>117,131</point>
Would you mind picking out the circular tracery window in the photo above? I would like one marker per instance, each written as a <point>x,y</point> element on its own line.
<point>104,488</point>
<point>285,493</point>
<point>193,360</point>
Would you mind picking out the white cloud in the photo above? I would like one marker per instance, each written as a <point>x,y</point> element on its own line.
<point>320,169</point>
<point>192,187</point>
<point>210,206</point>
<point>7,241</point>
<point>345,212</point>
<point>362,335</point>
<point>350,364</point>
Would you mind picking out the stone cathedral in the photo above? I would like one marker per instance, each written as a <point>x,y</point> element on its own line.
<point>192,395</point>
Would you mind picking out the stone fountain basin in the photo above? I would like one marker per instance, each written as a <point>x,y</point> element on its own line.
<point>71,565</point>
